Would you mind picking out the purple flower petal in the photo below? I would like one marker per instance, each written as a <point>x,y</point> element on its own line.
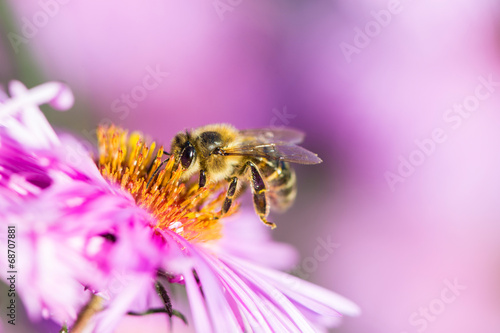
<point>299,290</point>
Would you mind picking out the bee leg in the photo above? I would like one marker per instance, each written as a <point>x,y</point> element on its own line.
<point>259,190</point>
<point>203,179</point>
<point>231,191</point>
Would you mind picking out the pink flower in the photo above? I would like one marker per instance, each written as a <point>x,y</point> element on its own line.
<point>82,227</point>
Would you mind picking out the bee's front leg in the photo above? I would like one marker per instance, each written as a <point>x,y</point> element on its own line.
<point>203,179</point>
<point>231,191</point>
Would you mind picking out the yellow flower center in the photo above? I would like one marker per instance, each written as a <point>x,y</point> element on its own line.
<point>126,160</point>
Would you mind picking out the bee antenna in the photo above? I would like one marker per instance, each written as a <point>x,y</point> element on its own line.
<point>156,171</point>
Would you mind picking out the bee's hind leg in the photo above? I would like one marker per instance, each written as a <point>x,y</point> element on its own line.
<point>260,199</point>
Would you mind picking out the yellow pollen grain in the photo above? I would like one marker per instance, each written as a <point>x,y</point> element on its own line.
<point>127,161</point>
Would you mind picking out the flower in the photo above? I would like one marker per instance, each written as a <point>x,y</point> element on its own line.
<point>82,225</point>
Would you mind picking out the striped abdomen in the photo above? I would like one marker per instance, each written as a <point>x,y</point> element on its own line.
<point>281,183</point>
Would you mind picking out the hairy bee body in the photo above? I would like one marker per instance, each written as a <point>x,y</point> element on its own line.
<point>260,157</point>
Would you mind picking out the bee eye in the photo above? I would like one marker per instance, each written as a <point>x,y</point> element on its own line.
<point>187,156</point>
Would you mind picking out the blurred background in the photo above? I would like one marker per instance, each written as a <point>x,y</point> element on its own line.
<point>401,99</point>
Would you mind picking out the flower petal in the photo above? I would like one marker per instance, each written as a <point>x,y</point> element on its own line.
<point>303,292</point>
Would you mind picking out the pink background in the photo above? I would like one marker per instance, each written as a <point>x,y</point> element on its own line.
<point>395,248</point>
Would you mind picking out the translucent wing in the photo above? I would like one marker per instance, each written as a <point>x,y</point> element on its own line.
<point>272,135</point>
<point>282,151</point>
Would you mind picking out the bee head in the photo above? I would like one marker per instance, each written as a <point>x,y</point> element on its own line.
<point>201,150</point>
<point>183,150</point>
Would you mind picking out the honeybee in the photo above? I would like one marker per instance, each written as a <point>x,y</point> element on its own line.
<point>259,157</point>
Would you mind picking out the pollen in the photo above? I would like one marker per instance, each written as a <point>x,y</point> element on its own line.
<point>182,207</point>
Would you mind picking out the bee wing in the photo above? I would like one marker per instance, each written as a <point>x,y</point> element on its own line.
<point>282,151</point>
<point>271,135</point>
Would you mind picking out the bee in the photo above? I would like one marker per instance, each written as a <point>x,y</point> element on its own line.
<point>258,157</point>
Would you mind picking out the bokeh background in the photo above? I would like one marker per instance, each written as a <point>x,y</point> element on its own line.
<point>363,100</point>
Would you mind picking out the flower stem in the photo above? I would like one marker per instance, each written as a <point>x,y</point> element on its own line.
<point>85,316</point>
